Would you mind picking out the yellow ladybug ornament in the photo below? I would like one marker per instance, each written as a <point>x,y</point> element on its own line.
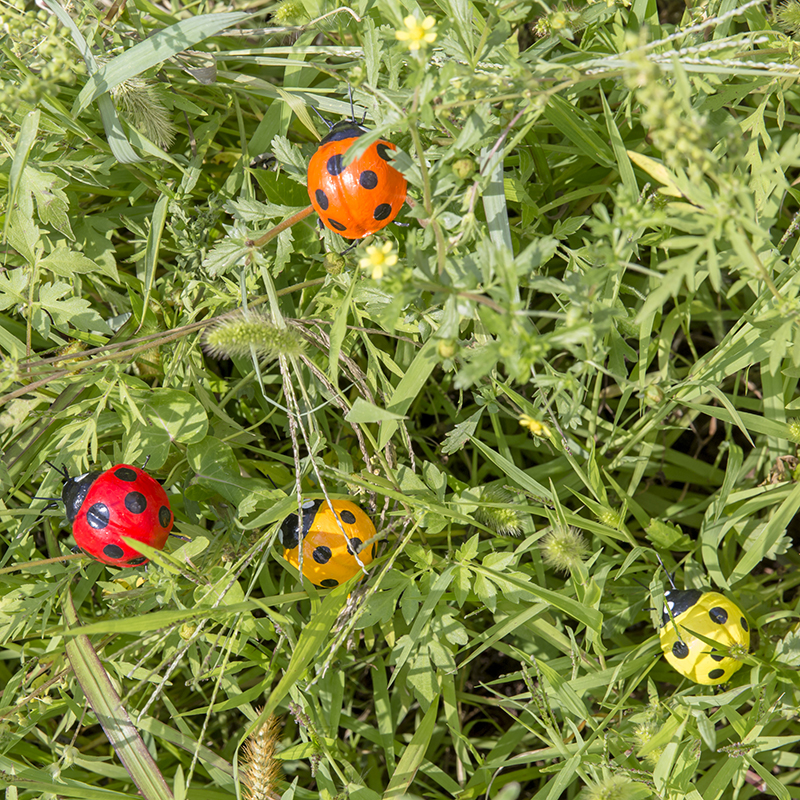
<point>712,615</point>
<point>331,540</point>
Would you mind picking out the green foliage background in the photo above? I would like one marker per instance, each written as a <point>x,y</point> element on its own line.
<point>593,326</point>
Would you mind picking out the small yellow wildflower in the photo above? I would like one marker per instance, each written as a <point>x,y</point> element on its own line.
<point>378,260</point>
<point>535,427</point>
<point>417,34</point>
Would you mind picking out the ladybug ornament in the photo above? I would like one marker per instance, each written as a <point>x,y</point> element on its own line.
<point>122,501</point>
<point>360,199</point>
<point>713,616</point>
<point>329,551</point>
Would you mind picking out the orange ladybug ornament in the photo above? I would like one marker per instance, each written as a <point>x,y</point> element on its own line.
<point>336,541</point>
<point>359,199</point>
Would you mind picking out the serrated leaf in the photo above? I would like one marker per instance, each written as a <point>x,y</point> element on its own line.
<point>455,439</point>
<point>65,262</point>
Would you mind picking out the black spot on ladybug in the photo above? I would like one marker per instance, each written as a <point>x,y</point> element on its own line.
<point>164,516</point>
<point>334,165</point>
<point>113,551</point>
<point>125,474</point>
<point>335,224</point>
<point>680,650</point>
<point>368,179</point>
<point>134,562</point>
<point>382,211</point>
<point>718,615</point>
<point>329,583</point>
<point>97,516</point>
<point>322,554</point>
<point>348,516</point>
<point>135,502</point>
<point>354,546</point>
<point>384,151</point>
<point>322,199</point>
<point>743,623</point>
<point>716,656</point>
<point>716,673</point>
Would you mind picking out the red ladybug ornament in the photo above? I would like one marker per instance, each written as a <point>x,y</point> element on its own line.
<point>359,199</point>
<point>122,501</point>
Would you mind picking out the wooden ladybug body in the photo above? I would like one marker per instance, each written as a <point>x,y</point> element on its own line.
<point>713,616</point>
<point>360,199</point>
<point>122,501</point>
<point>334,540</point>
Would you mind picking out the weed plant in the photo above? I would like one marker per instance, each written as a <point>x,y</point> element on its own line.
<point>580,353</point>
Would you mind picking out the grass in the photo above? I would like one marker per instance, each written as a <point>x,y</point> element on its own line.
<point>585,358</point>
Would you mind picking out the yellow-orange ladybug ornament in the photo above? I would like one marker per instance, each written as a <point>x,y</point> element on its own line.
<point>333,541</point>
<point>712,615</point>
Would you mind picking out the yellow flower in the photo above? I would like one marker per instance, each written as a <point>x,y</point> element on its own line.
<point>535,427</point>
<point>378,260</point>
<point>417,34</point>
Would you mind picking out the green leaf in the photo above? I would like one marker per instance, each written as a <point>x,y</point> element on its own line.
<point>364,411</point>
<point>413,755</point>
<point>579,129</point>
<point>65,262</point>
<point>409,387</point>
<point>111,714</point>
<point>25,142</point>
<point>309,645</point>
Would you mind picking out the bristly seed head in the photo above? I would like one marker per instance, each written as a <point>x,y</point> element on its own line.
<point>251,332</point>
<point>503,521</point>
<point>616,787</point>
<point>564,549</point>
<point>261,769</point>
<point>788,16</point>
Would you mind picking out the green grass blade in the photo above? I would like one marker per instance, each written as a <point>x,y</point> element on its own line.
<point>157,48</point>
<point>494,202</point>
<point>413,755</point>
<point>309,645</point>
<point>409,387</point>
<point>151,254</point>
<point>111,714</point>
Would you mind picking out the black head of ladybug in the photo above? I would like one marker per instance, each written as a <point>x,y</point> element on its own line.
<point>74,491</point>
<point>678,601</point>
<point>346,129</point>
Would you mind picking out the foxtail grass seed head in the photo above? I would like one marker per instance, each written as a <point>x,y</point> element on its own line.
<point>240,335</point>
<point>261,768</point>
<point>503,521</point>
<point>610,518</point>
<point>788,17</point>
<point>564,549</point>
<point>615,787</point>
<point>138,100</point>
<point>644,732</point>
<point>290,12</point>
